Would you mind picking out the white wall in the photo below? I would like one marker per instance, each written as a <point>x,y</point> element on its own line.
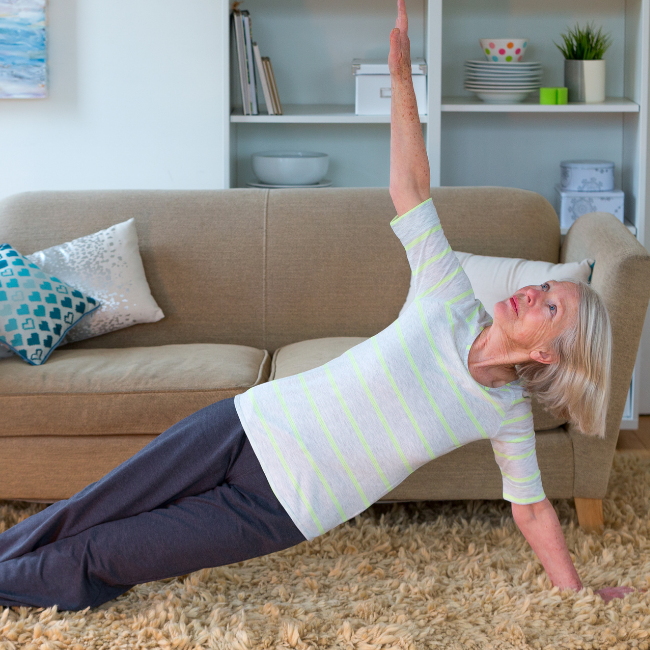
<point>135,94</point>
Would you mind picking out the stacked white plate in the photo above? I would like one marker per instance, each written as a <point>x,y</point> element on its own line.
<point>502,83</point>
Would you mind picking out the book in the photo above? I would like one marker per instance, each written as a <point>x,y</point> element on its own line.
<point>274,88</point>
<point>241,60</point>
<point>267,72</point>
<point>261,75</point>
<point>250,68</point>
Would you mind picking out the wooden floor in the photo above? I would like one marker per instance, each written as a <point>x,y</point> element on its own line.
<point>635,442</point>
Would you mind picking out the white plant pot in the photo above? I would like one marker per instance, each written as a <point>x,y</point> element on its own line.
<point>585,80</point>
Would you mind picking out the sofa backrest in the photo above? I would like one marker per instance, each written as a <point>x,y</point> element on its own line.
<point>266,268</point>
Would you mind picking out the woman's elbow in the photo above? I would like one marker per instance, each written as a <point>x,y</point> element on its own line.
<point>522,513</point>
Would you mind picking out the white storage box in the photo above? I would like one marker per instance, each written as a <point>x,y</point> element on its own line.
<point>570,204</point>
<point>587,175</point>
<point>372,79</point>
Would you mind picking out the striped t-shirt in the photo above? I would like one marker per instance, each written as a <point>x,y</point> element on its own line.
<point>333,440</point>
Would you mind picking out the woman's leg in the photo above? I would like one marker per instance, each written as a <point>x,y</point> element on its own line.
<point>229,523</point>
<point>190,457</point>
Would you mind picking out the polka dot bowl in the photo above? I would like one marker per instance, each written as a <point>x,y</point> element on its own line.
<point>503,50</point>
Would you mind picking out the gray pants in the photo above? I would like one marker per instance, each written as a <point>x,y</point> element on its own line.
<point>195,497</point>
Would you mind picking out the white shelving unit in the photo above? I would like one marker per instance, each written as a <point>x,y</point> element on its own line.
<point>314,114</point>
<point>469,142</point>
<point>466,104</point>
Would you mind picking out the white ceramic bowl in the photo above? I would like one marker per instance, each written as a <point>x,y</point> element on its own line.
<point>502,96</point>
<point>504,50</point>
<point>290,167</point>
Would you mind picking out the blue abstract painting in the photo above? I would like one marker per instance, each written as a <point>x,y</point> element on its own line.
<point>23,54</point>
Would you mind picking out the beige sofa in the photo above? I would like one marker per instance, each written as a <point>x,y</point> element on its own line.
<point>258,284</point>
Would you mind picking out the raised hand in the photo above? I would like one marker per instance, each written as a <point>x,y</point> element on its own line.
<point>399,58</point>
<point>409,165</point>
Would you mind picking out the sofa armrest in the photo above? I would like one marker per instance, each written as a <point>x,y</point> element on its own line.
<point>622,277</point>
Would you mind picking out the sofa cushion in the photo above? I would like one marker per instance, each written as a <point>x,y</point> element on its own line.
<point>123,390</point>
<point>334,267</point>
<point>305,355</point>
<point>202,251</point>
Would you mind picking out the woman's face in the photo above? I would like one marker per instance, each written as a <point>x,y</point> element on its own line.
<point>537,314</point>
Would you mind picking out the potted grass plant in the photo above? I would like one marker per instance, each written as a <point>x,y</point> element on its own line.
<point>584,66</point>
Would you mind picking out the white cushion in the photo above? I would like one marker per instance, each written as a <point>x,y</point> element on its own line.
<point>106,265</point>
<point>496,278</point>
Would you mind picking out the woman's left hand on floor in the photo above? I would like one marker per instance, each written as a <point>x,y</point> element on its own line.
<point>609,593</point>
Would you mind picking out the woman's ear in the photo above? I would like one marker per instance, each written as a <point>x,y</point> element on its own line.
<point>541,356</point>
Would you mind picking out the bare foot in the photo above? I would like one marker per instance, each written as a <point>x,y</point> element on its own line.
<point>609,593</point>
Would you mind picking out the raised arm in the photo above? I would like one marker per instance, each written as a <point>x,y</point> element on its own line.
<point>409,165</point>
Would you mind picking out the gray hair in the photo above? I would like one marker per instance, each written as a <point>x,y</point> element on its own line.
<point>577,387</point>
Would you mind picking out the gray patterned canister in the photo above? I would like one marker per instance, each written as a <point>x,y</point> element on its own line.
<point>587,175</point>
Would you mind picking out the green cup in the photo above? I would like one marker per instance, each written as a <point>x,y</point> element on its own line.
<point>562,95</point>
<point>548,96</point>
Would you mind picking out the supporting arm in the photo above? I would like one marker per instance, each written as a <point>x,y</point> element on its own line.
<point>540,526</point>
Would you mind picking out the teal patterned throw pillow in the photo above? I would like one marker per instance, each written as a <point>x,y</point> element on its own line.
<point>36,310</point>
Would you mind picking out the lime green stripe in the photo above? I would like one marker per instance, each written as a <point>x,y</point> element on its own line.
<point>519,457</point>
<point>451,302</point>
<point>469,318</point>
<point>422,237</point>
<point>519,419</point>
<point>380,415</point>
<point>522,480</point>
<point>519,401</point>
<point>450,319</point>
<point>286,467</point>
<point>460,296</point>
<point>305,451</point>
<point>489,398</point>
<point>436,410</point>
<point>472,329</point>
<point>443,281</point>
<point>356,428</point>
<point>400,397</point>
<point>523,502</point>
<point>396,219</point>
<point>431,260</point>
<point>476,423</point>
<point>523,439</point>
<point>333,444</point>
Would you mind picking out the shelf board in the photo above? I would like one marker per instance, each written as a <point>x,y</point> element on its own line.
<point>344,113</point>
<point>630,226</point>
<point>315,114</point>
<point>474,104</point>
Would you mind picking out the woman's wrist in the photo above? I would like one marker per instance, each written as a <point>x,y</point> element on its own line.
<point>575,585</point>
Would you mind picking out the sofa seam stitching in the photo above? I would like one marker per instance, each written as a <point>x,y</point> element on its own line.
<point>181,391</point>
<point>264,234</point>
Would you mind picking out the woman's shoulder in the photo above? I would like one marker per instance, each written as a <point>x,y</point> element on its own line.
<point>517,404</point>
<point>518,392</point>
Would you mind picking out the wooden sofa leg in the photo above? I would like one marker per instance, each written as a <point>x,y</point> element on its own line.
<point>590,514</point>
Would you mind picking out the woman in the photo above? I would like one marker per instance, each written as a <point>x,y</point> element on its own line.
<point>291,459</point>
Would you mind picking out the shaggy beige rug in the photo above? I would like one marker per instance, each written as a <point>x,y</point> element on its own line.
<point>454,574</point>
